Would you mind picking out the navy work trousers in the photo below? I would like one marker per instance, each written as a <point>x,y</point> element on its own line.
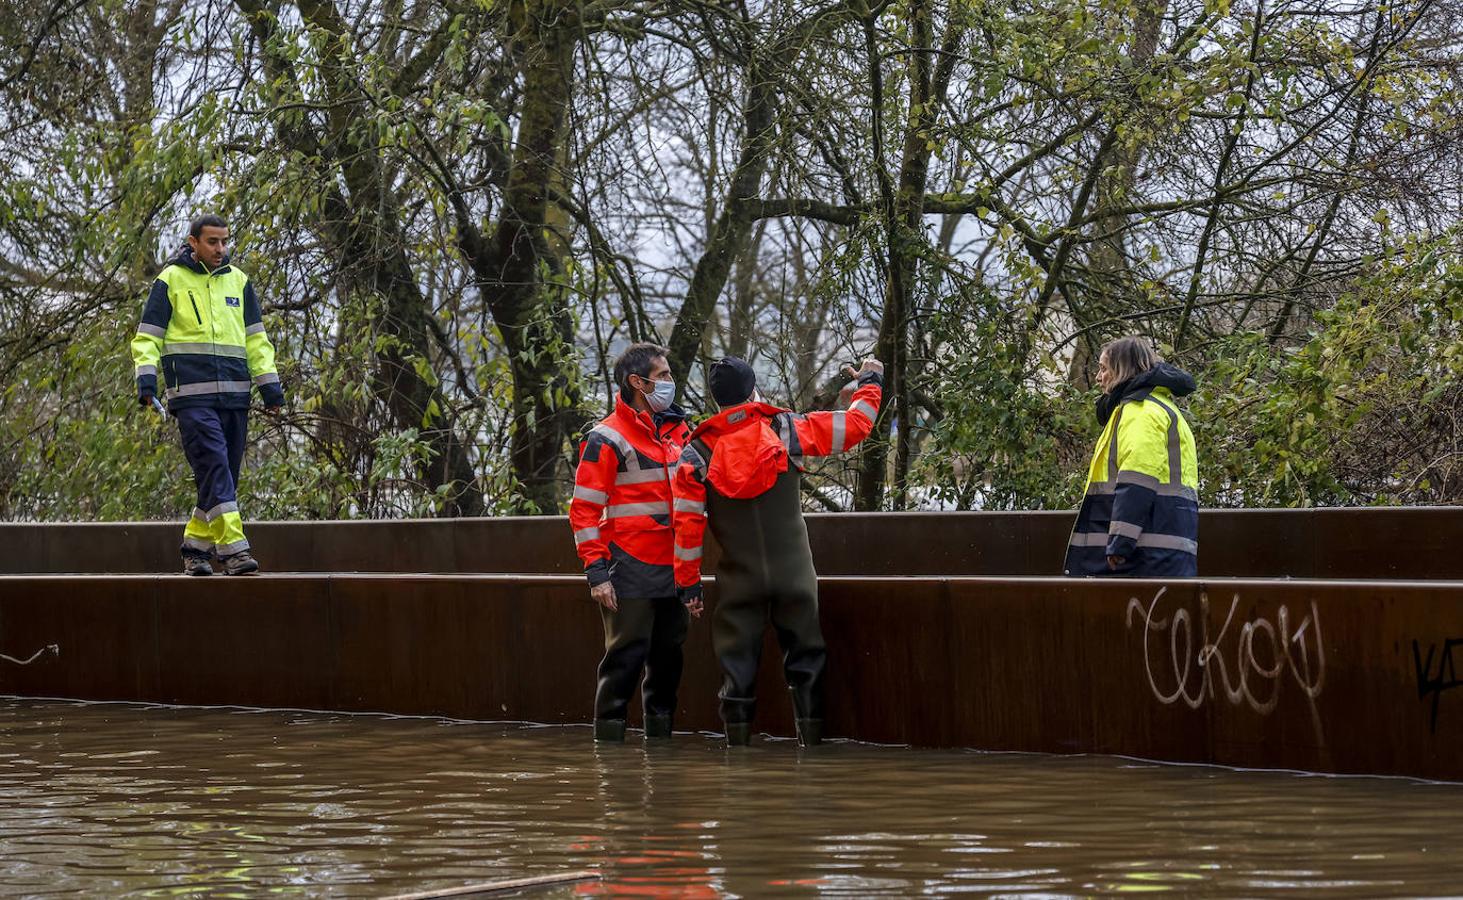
<point>213,442</point>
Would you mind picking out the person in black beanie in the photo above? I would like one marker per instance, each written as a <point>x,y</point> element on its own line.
<point>741,470</point>
<point>732,378</point>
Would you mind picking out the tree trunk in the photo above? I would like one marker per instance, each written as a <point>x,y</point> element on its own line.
<point>903,207</point>
<point>364,225</point>
<point>742,316</point>
<point>728,237</point>
<point>1111,286</point>
<point>519,273</point>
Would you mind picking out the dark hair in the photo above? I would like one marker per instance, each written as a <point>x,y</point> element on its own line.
<point>636,360</point>
<point>209,220</point>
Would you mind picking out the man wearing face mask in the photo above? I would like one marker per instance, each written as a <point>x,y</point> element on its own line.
<point>621,516</point>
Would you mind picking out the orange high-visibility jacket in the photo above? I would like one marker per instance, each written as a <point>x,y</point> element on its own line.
<point>621,511</point>
<point>743,464</point>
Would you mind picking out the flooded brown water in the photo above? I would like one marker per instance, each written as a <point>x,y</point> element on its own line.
<point>98,800</point>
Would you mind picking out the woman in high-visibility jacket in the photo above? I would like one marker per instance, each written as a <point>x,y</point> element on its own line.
<point>1140,515</point>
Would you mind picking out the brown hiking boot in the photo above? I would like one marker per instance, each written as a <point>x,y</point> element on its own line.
<point>240,563</point>
<point>197,565</point>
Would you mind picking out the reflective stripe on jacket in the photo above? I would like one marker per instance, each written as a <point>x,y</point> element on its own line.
<point>1141,502</point>
<point>204,330</point>
<point>803,434</point>
<point>621,510</point>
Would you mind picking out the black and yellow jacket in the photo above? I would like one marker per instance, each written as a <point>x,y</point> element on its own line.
<point>1142,500</point>
<point>205,331</point>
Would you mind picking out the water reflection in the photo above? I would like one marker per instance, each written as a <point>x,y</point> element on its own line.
<point>105,799</point>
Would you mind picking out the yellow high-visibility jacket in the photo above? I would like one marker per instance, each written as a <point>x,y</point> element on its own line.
<point>1142,498</point>
<point>205,331</point>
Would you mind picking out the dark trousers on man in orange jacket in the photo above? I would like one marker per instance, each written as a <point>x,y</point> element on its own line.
<point>644,635</point>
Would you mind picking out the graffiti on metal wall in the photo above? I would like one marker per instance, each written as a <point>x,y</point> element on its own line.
<point>1430,684</point>
<point>1246,664</point>
<point>49,648</point>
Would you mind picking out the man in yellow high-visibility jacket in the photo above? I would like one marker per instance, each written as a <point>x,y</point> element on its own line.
<point>203,328</point>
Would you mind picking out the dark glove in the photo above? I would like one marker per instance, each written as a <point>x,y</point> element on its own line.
<point>271,394</point>
<point>688,595</point>
<point>145,395</point>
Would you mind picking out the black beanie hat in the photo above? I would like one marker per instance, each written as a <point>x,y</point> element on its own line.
<point>732,381</point>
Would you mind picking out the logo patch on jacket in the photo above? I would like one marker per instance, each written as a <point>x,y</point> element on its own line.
<point>231,301</point>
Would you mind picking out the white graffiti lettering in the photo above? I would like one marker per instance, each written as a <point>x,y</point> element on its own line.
<point>49,648</point>
<point>1260,656</point>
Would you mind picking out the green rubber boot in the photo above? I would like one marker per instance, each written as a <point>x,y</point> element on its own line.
<point>610,731</point>
<point>810,732</point>
<point>657,727</point>
<point>739,734</point>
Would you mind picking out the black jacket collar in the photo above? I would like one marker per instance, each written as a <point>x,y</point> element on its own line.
<point>1138,387</point>
<point>185,258</point>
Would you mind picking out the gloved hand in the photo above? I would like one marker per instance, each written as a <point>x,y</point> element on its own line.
<point>691,597</point>
<point>145,396</point>
<point>272,395</point>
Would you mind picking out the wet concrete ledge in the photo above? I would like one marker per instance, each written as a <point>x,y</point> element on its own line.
<point>1325,676</point>
<point>1416,542</point>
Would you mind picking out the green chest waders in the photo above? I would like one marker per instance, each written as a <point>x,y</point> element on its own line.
<point>766,571</point>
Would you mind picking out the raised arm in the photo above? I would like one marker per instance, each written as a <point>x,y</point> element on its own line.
<point>824,433</point>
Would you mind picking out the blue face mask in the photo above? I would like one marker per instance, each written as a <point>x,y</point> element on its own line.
<point>659,400</point>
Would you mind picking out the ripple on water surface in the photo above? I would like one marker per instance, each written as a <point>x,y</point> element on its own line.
<point>100,799</point>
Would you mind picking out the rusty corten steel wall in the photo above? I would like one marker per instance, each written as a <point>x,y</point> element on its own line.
<point>1322,676</point>
<point>1325,543</point>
